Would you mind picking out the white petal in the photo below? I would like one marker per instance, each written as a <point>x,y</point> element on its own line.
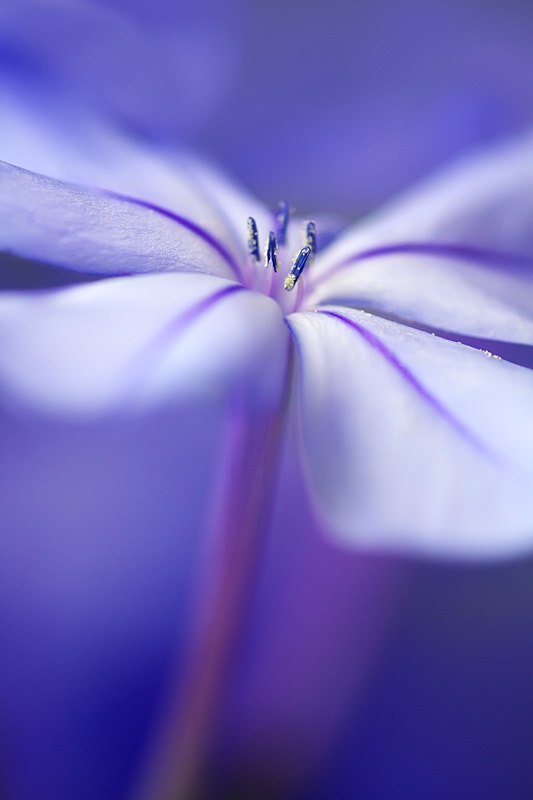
<point>435,292</point>
<point>125,344</point>
<point>51,221</point>
<point>465,248</point>
<point>484,200</point>
<point>414,442</point>
<point>233,203</point>
<point>42,135</point>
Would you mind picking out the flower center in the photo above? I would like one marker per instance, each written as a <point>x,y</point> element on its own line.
<point>276,259</point>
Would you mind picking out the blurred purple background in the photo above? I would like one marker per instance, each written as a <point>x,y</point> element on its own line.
<point>335,105</point>
<point>351,101</point>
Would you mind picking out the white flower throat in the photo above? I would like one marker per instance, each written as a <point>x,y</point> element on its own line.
<point>273,258</point>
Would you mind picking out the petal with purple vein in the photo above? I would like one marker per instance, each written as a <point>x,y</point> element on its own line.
<point>414,442</point>
<point>444,292</point>
<point>125,344</point>
<point>84,230</point>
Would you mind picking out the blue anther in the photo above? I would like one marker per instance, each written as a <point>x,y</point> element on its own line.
<point>253,239</point>
<point>271,251</point>
<point>282,221</point>
<point>299,263</point>
<point>310,237</point>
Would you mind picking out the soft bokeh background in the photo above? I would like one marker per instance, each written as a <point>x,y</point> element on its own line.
<point>337,105</point>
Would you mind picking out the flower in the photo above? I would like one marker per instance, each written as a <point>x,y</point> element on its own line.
<point>189,349</point>
<point>105,555</point>
<point>377,308</point>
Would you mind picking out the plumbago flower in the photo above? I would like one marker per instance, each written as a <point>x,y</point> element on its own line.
<point>407,439</point>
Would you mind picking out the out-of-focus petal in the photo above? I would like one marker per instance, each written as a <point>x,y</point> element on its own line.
<point>446,254</point>
<point>485,201</point>
<point>61,224</point>
<point>414,442</point>
<point>124,344</point>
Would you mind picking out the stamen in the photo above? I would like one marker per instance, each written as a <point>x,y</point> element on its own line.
<point>271,251</point>
<point>253,239</point>
<point>310,237</point>
<point>299,263</point>
<point>282,222</point>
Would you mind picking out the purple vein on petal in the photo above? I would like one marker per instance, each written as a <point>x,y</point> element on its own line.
<point>413,381</point>
<point>146,360</point>
<point>191,226</point>
<point>461,252</point>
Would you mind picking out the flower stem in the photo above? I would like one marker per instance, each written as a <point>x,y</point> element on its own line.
<point>236,535</point>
